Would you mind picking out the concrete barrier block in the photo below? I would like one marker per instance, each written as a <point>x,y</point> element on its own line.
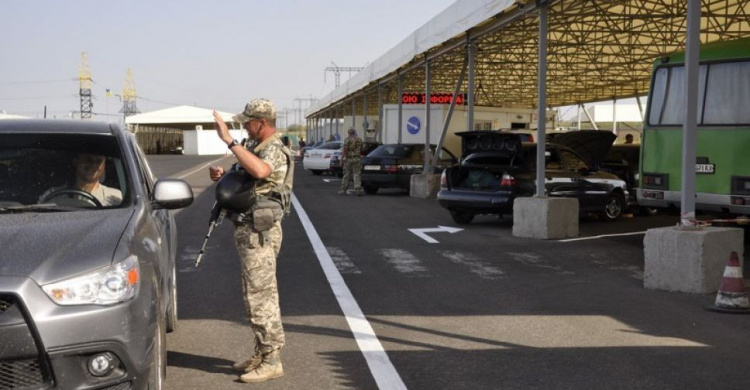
<point>425,187</point>
<point>545,218</point>
<point>689,261</point>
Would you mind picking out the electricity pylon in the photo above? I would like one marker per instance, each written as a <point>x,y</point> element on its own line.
<point>128,96</point>
<point>84,87</point>
<point>338,69</point>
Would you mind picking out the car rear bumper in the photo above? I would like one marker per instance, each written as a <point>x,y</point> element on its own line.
<point>386,180</point>
<point>53,343</point>
<point>316,164</point>
<point>476,202</point>
<point>703,201</point>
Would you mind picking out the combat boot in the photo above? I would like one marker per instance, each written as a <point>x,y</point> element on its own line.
<point>249,364</point>
<point>269,368</point>
<point>342,192</point>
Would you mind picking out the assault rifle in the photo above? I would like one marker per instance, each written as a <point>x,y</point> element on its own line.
<point>217,217</point>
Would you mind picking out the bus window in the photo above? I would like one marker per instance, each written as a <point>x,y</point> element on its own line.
<point>672,106</point>
<point>728,94</point>
<point>657,96</point>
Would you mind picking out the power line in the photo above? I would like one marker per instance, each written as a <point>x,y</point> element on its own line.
<point>39,97</point>
<point>38,81</point>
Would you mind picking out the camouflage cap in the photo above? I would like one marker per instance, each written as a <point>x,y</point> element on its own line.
<point>352,131</point>
<point>257,108</point>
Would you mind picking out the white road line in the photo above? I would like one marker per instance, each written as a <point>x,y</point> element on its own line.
<point>204,166</point>
<point>382,369</point>
<point>602,236</point>
<point>343,263</point>
<point>476,266</point>
<point>404,262</point>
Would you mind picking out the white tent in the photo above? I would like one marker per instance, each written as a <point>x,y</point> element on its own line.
<point>177,115</point>
<point>195,123</point>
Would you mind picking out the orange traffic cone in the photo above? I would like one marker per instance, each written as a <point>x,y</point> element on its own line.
<point>732,297</point>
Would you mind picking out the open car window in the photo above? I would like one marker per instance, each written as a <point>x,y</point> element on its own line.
<point>72,171</point>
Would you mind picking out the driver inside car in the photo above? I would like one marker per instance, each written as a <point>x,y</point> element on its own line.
<point>89,170</point>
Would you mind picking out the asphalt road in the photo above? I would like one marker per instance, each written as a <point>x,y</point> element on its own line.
<point>479,309</point>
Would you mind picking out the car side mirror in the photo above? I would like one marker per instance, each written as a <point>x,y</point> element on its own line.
<point>172,194</point>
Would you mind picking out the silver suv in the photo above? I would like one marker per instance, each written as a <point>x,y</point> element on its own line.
<point>87,258</point>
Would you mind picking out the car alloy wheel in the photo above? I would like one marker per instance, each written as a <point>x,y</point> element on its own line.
<point>613,207</point>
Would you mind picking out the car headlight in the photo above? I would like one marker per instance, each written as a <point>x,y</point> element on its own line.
<point>116,283</point>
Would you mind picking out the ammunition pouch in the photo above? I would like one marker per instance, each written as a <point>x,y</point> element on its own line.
<point>262,219</point>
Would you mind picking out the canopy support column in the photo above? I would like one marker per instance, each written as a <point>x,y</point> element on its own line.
<point>585,111</point>
<point>364,115</point>
<point>400,97</point>
<point>379,130</point>
<point>614,116</point>
<point>427,93</point>
<point>542,105</point>
<point>472,51</point>
<point>450,111</point>
<point>689,127</point>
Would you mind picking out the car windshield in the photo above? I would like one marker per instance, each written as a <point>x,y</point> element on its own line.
<point>330,145</point>
<point>61,172</point>
<point>392,150</point>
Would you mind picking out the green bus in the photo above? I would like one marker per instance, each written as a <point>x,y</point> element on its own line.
<point>722,182</point>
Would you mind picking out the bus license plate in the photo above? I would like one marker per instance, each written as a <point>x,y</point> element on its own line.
<point>704,168</point>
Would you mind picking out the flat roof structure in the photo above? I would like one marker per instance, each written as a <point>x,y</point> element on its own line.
<point>597,50</point>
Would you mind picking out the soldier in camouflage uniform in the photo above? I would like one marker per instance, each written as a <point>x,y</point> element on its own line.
<point>350,158</point>
<point>265,160</point>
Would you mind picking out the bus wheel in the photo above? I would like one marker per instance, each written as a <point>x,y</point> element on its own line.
<point>613,207</point>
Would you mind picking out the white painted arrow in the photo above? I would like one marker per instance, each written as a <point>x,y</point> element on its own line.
<point>330,180</point>
<point>422,233</point>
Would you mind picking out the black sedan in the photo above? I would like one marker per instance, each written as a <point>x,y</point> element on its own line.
<point>497,168</point>
<point>392,165</point>
<point>336,165</point>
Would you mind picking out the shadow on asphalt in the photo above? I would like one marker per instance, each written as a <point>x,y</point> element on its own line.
<point>202,363</point>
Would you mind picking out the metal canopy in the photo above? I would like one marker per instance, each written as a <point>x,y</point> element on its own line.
<point>597,50</point>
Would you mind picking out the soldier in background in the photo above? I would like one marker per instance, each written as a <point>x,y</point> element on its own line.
<point>258,247</point>
<point>350,159</point>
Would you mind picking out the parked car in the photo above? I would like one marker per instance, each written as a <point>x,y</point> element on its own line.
<point>177,150</point>
<point>496,168</point>
<point>336,166</point>
<point>318,160</point>
<point>392,165</point>
<point>307,148</point>
<point>87,288</point>
<point>623,160</point>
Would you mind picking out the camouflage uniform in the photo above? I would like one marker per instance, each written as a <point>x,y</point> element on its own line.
<point>353,146</point>
<point>258,258</point>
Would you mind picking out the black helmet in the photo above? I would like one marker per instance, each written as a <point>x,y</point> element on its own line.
<point>234,191</point>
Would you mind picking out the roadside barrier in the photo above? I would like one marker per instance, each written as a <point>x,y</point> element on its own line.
<point>732,297</point>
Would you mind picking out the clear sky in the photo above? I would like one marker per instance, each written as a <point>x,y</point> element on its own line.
<point>212,54</point>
